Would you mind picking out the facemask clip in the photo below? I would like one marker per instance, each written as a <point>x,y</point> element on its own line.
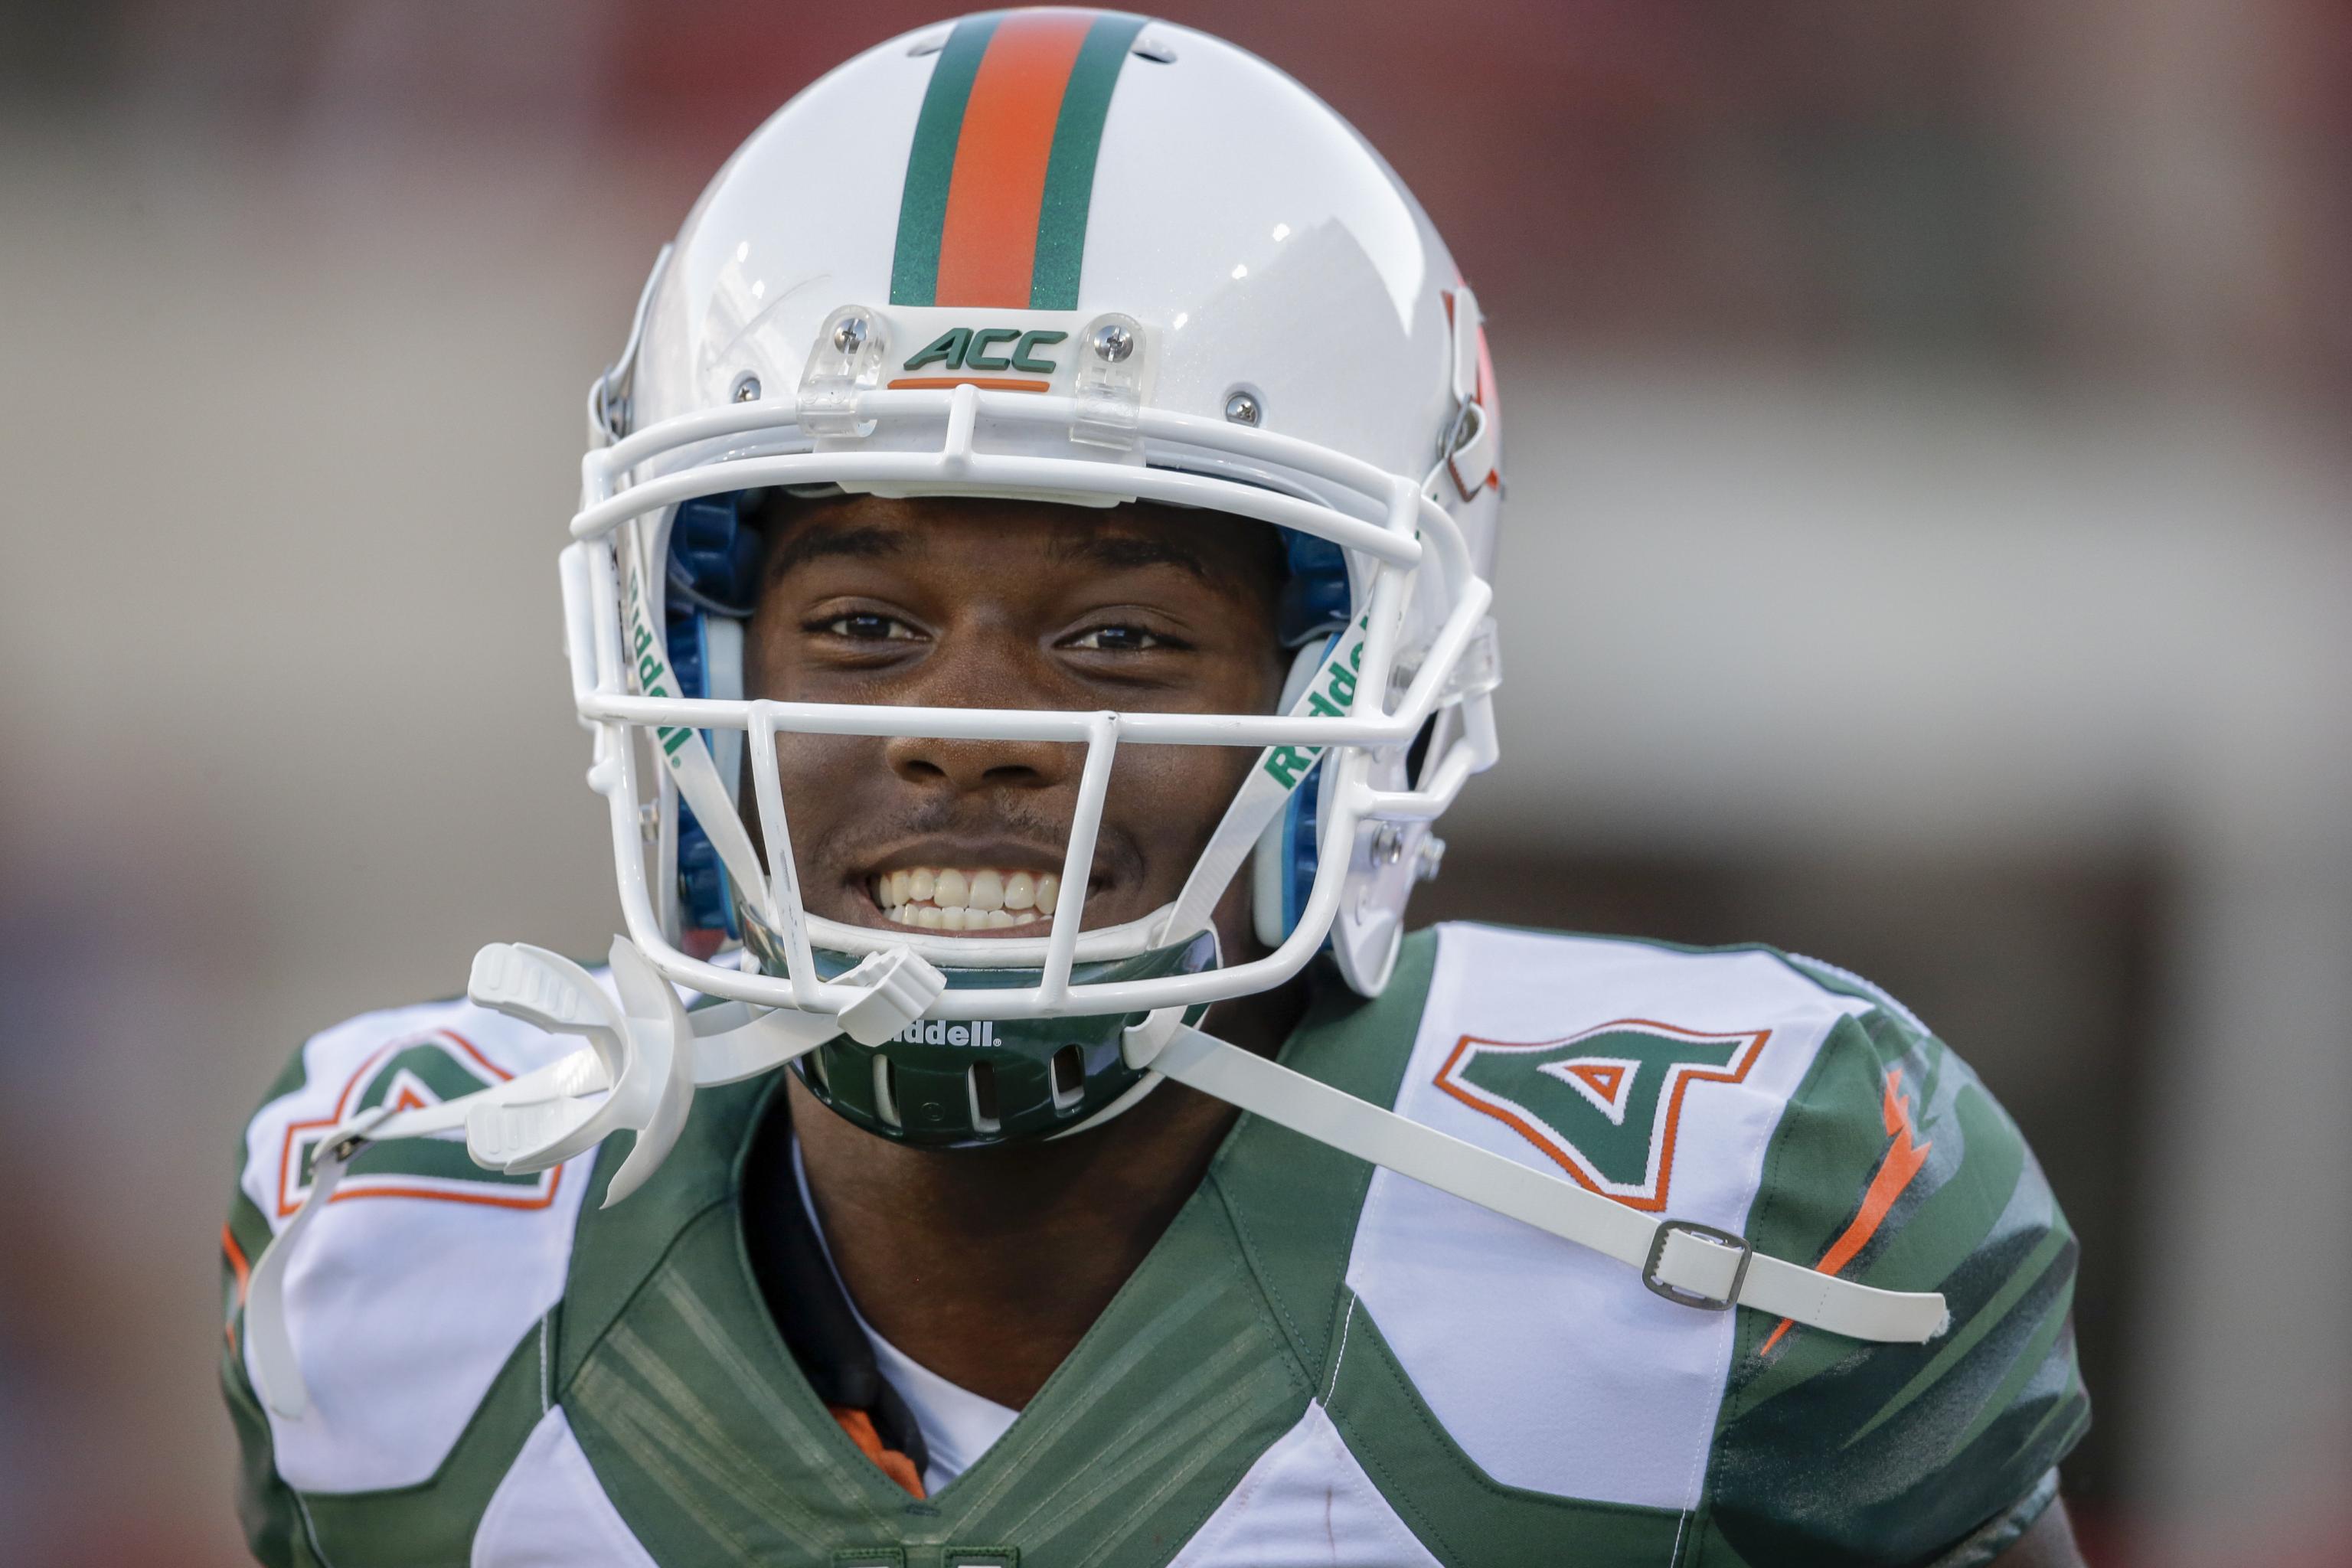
<point>844,364</point>
<point>899,987</point>
<point>1110,391</point>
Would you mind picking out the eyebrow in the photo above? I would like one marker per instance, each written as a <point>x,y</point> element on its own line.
<point>816,541</point>
<point>1122,551</point>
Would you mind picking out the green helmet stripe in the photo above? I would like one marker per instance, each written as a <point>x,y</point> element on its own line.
<point>1070,171</point>
<point>931,165</point>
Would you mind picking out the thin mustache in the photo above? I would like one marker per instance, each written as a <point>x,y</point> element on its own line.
<point>1115,851</point>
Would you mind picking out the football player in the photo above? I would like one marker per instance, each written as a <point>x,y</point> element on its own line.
<point>1030,602</point>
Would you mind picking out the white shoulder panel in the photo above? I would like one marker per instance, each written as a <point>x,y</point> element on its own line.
<point>1653,1074</point>
<point>417,1281</point>
<point>1306,1503</point>
<point>551,1512</point>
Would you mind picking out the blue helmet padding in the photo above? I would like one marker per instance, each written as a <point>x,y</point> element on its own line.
<point>702,895</point>
<point>1298,845</point>
<point>1314,596</point>
<point>1316,603</point>
<point>713,557</point>
<point>714,560</point>
<point>704,902</point>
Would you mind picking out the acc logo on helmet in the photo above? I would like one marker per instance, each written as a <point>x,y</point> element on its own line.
<point>969,348</point>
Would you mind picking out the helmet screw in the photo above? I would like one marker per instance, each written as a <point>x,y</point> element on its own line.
<point>1242,409</point>
<point>747,389</point>
<point>1433,856</point>
<point>1388,844</point>
<point>849,334</point>
<point>1113,342</point>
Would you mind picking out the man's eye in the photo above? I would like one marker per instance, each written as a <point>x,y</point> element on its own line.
<point>1118,639</point>
<point>867,626</point>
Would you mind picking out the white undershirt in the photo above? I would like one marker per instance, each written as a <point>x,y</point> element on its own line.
<point>958,1425</point>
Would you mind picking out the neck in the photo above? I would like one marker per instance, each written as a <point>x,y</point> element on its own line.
<point>988,1265</point>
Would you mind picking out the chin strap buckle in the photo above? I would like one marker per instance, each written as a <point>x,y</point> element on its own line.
<point>1714,1263</point>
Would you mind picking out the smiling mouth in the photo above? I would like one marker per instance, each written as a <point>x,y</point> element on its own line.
<point>965,898</point>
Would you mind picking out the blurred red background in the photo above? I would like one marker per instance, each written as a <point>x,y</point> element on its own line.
<point>2001,348</point>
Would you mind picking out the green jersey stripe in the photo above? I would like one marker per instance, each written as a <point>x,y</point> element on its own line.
<point>1986,1318</point>
<point>2028,1364</point>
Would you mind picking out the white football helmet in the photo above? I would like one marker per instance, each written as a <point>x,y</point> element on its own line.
<point>1082,257</point>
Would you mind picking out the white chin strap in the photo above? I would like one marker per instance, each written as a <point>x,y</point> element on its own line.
<point>647,1055</point>
<point>1693,1265</point>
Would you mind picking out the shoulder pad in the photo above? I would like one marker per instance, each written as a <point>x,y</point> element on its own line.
<point>1778,1098</point>
<point>416,1283</point>
<point>1894,1166</point>
<point>1652,1073</point>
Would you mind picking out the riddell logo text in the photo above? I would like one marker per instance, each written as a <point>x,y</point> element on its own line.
<point>968,348</point>
<point>939,1032</point>
<point>1333,695</point>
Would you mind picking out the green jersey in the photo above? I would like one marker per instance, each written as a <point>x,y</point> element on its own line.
<point>1318,1362</point>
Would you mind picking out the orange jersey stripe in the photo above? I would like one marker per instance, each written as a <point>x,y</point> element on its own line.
<point>1902,1161</point>
<point>988,241</point>
<point>241,1272</point>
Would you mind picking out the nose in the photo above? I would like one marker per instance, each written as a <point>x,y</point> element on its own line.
<point>984,672</point>
<point>972,766</point>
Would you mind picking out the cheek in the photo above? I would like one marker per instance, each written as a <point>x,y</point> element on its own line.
<point>1170,798</point>
<point>767,664</point>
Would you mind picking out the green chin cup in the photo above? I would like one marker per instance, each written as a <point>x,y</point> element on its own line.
<point>941,1085</point>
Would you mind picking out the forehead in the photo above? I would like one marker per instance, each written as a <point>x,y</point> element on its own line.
<point>997,536</point>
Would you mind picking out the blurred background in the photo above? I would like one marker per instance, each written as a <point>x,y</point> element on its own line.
<point>1929,549</point>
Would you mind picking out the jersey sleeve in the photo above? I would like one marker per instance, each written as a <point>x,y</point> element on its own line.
<point>420,1302</point>
<point>266,1506</point>
<point>1894,1166</point>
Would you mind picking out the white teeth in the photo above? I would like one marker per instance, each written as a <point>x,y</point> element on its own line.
<point>951,899</point>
